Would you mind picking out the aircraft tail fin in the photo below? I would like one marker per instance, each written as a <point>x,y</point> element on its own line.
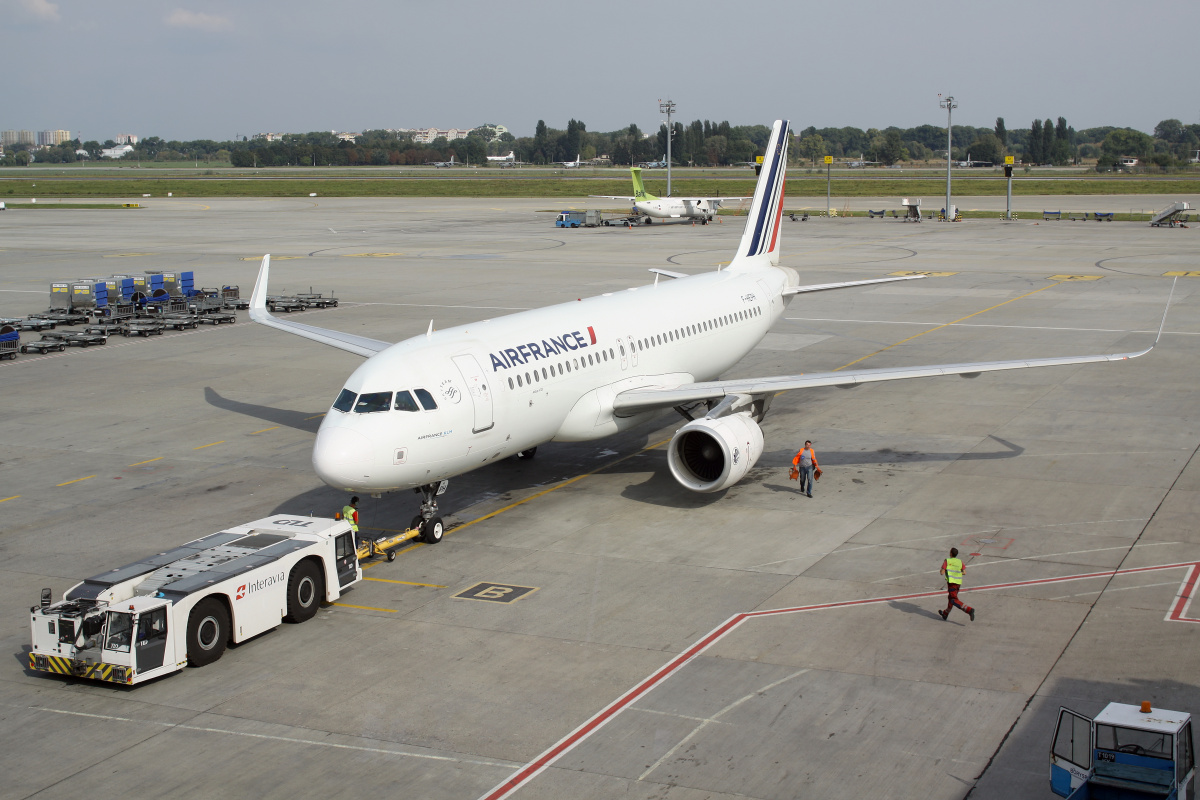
<point>760,241</point>
<point>639,188</point>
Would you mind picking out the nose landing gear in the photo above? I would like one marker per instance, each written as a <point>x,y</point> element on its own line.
<point>428,521</point>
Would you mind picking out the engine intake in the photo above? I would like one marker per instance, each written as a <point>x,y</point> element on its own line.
<point>708,455</point>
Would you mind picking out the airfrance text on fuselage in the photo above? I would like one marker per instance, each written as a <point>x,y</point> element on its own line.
<point>549,348</point>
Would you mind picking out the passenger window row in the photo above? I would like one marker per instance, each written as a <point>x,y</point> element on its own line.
<point>654,340</point>
<point>370,402</point>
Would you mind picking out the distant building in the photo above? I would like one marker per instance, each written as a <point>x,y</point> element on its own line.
<point>268,137</point>
<point>116,152</point>
<point>427,135</point>
<point>125,138</point>
<point>9,138</point>
<point>53,138</point>
<point>1128,161</point>
<point>348,137</point>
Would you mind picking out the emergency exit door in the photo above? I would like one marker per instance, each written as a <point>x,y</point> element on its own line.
<point>478,390</point>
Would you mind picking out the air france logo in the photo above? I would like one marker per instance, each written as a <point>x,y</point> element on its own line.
<point>259,585</point>
<point>548,348</point>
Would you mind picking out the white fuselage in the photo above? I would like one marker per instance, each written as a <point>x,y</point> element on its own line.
<point>672,207</point>
<point>506,385</point>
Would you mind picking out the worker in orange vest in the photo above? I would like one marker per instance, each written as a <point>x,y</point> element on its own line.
<point>806,462</point>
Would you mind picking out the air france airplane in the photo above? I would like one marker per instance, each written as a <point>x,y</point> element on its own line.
<point>432,407</point>
<point>701,208</point>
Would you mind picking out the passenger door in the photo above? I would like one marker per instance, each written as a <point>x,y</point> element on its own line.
<point>1071,752</point>
<point>477,388</point>
<point>346,558</point>
<point>151,641</point>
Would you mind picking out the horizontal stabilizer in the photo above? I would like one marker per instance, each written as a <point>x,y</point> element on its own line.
<point>821,287</point>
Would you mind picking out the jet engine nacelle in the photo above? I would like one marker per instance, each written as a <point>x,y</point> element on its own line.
<point>708,455</point>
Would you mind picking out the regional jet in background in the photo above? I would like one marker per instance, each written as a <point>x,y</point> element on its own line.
<point>511,157</point>
<point>861,162</point>
<point>644,203</point>
<point>660,164</point>
<point>450,163</point>
<point>571,164</point>
<point>435,406</point>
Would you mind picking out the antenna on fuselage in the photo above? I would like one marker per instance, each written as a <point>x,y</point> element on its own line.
<point>429,333</point>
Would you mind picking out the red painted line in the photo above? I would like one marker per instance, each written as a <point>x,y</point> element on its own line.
<point>1180,607</point>
<point>534,768</point>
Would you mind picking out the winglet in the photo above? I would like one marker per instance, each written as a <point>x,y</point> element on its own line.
<point>258,298</point>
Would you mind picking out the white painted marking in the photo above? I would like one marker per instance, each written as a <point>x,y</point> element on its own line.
<point>714,718</point>
<point>180,726</point>
<point>1122,589</point>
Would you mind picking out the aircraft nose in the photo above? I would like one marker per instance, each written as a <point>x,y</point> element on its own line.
<point>342,458</point>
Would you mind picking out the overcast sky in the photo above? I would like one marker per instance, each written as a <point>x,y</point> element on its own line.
<point>218,68</point>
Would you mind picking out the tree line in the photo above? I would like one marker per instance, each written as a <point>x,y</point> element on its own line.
<point>1043,142</point>
<point>699,143</point>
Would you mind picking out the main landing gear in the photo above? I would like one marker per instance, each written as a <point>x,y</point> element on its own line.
<point>428,521</point>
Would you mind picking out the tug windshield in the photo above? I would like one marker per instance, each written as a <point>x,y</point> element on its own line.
<point>120,630</point>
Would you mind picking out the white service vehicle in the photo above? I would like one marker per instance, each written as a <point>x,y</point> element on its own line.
<point>157,615</point>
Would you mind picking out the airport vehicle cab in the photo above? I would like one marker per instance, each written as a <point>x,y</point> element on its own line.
<point>1125,753</point>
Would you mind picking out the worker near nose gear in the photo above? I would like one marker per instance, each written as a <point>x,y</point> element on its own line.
<point>954,569</point>
<point>806,462</point>
<point>350,514</point>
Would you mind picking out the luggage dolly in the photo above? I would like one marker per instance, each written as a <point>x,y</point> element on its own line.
<point>386,545</point>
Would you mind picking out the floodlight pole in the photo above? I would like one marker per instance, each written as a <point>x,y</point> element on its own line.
<point>668,108</point>
<point>948,104</point>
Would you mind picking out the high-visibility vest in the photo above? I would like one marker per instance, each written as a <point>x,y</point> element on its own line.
<point>954,570</point>
<point>350,514</point>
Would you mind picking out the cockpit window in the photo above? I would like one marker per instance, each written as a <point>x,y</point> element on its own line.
<point>373,401</point>
<point>345,401</point>
<point>426,399</point>
<point>405,402</point>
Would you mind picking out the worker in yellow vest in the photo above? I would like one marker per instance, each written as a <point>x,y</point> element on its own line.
<point>350,514</point>
<point>954,569</point>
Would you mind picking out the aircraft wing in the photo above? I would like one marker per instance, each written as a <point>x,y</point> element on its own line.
<point>635,401</point>
<point>613,197</point>
<point>359,345</point>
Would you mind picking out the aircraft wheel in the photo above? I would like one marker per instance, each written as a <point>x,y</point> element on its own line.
<point>416,523</point>
<point>434,530</point>
<point>525,455</point>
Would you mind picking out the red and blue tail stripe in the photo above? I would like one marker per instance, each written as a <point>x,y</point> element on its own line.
<point>762,228</point>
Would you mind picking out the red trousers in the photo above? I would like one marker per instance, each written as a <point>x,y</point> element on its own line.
<point>952,601</point>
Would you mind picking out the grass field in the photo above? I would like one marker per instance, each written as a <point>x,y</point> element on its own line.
<point>556,186</point>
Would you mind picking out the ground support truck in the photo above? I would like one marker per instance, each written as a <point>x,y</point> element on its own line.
<point>181,607</point>
<point>1126,753</point>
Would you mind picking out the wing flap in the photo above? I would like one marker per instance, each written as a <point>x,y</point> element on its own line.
<point>359,345</point>
<point>646,399</point>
